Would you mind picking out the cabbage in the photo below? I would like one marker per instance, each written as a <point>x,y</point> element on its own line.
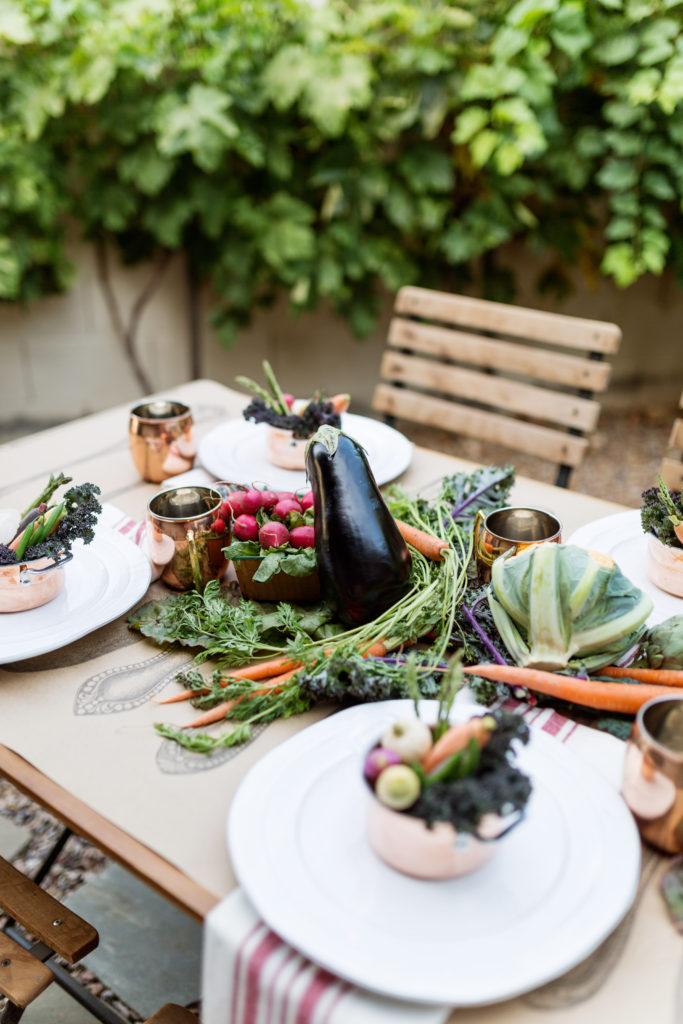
<point>558,606</point>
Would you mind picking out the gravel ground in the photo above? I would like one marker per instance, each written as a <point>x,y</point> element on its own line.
<point>623,461</point>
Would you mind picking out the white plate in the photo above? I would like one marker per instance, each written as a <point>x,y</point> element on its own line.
<point>236,450</point>
<point>103,580</point>
<point>558,885</point>
<point>621,536</point>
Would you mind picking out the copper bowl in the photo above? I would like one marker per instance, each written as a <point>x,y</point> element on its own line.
<point>27,585</point>
<point>285,450</point>
<point>406,844</point>
<point>665,566</point>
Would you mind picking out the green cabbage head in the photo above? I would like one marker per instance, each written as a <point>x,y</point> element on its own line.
<point>557,606</point>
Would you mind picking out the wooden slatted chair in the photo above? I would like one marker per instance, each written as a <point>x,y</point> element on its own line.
<point>672,463</point>
<point>514,376</point>
<point>26,967</point>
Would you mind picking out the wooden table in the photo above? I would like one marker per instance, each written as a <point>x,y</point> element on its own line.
<point>96,449</point>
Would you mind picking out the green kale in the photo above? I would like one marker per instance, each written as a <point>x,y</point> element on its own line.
<point>495,787</point>
<point>655,514</point>
<point>81,509</point>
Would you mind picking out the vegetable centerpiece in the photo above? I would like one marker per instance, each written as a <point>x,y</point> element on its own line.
<point>662,519</point>
<point>441,794</point>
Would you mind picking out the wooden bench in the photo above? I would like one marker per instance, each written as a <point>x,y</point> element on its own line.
<point>518,377</point>
<point>672,463</point>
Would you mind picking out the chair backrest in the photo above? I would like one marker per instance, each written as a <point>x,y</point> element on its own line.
<point>672,464</point>
<point>517,377</point>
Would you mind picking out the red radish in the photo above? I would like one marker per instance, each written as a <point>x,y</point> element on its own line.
<point>286,495</point>
<point>252,500</point>
<point>245,527</point>
<point>268,499</point>
<point>226,510</point>
<point>284,507</point>
<point>273,535</point>
<point>302,537</point>
<point>234,500</point>
<point>306,501</point>
<point>219,525</point>
<point>289,399</point>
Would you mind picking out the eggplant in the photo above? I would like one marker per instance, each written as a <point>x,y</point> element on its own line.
<point>363,561</point>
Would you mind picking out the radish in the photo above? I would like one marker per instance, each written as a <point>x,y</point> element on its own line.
<point>289,399</point>
<point>286,496</point>
<point>234,501</point>
<point>273,535</point>
<point>252,500</point>
<point>268,499</point>
<point>285,506</point>
<point>219,525</point>
<point>306,501</point>
<point>302,537</point>
<point>377,760</point>
<point>245,527</point>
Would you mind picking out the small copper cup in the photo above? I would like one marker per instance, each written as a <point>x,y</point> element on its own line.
<point>652,783</point>
<point>161,437</point>
<point>511,529</point>
<point>181,536</point>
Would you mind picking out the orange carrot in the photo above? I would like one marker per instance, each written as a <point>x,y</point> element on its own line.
<point>662,676</point>
<point>456,738</point>
<point>259,670</point>
<point>623,697</point>
<point>217,713</point>
<point>375,650</point>
<point>426,543</point>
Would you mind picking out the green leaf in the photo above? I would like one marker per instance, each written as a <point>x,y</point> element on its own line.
<point>528,12</point>
<point>146,168</point>
<point>15,25</point>
<point>198,124</point>
<point>643,86</point>
<point>483,145</point>
<point>508,158</point>
<point>287,75</point>
<point>90,83</point>
<point>10,271</point>
<point>620,262</point>
<point>617,174</point>
<point>623,115</point>
<point>426,169</point>
<point>508,42</point>
<point>620,228</point>
<point>656,183</point>
<point>468,123</point>
<point>618,49</point>
<point>655,54</point>
<point>340,85</point>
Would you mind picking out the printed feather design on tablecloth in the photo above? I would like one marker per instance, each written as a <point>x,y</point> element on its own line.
<point>172,759</point>
<point>128,686</point>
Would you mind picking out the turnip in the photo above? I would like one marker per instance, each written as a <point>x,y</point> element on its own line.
<point>273,535</point>
<point>398,787</point>
<point>377,760</point>
<point>245,527</point>
<point>411,738</point>
<point>285,506</point>
<point>306,501</point>
<point>302,537</point>
<point>252,500</point>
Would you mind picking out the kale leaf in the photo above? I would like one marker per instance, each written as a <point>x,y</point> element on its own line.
<point>655,516</point>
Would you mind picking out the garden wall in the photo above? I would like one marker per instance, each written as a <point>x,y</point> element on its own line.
<point>61,357</point>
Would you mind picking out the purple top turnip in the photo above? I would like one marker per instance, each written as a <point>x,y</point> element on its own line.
<point>377,760</point>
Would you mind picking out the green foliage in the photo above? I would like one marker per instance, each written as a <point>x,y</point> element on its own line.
<point>333,150</point>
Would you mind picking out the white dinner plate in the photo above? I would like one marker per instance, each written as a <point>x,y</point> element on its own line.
<point>236,450</point>
<point>557,886</point>
<point>103,580</point>
<point>621,536</point>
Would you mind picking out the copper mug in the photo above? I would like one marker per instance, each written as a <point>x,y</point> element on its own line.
<point>652,783</point>
<point>512,528</point>
<point>161,438</point>
<point>181,536</point>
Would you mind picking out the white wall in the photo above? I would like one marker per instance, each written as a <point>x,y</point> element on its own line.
<point>60,358</point>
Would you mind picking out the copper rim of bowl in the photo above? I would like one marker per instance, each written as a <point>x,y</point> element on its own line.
<point>667,752</point>
<point>203,493</point>
<point>167,410</point>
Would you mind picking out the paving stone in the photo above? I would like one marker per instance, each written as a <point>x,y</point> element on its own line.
<point>12,838</point>
<point>149,952</point>
<point>54,1006</point>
